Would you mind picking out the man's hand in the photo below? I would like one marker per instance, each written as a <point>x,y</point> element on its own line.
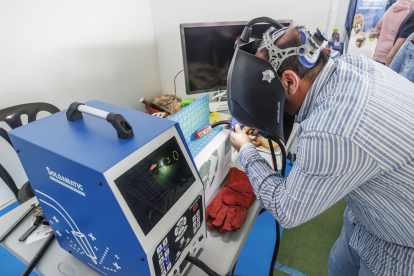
<point>250,131</point>
<point>238,137</point>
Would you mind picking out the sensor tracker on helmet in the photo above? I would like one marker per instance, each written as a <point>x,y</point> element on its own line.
<point>308,52</point>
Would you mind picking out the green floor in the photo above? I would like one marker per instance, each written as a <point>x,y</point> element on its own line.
<point>306,248</point>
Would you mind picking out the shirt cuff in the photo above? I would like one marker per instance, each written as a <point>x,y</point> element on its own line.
<point>246,152</point>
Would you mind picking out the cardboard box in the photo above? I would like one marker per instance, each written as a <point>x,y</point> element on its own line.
<point>214,163</point>
<point>218,106</point>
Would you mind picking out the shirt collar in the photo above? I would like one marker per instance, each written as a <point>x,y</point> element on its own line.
<point>320,82</point>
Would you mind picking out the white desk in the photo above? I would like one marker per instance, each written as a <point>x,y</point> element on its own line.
<point>53,258</point>
<point>220,251</point>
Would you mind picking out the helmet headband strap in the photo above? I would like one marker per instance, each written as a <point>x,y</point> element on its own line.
<point>308,52</point>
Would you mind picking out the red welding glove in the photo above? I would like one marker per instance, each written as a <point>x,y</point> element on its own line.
<point>228,210</point>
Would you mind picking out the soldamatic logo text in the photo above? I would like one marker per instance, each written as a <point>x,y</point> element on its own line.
<point>64,181</point>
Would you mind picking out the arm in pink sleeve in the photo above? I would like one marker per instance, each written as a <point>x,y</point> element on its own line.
<point>378,29</point>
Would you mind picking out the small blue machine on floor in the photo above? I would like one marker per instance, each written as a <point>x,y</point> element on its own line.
<point>119,188</point>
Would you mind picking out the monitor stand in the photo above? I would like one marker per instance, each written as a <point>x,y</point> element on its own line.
<point>219,101</point>
<point>220,94</point>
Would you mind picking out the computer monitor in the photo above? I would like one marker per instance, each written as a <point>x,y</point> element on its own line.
<point>208,49</point>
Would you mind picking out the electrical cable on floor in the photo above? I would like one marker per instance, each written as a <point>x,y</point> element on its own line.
<point>201,265</point>
<point>275,250</point>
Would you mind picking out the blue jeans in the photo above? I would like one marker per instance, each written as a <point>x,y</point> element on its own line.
<point>343,259</point>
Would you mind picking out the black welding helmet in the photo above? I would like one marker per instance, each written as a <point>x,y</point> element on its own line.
<point>256,96</point>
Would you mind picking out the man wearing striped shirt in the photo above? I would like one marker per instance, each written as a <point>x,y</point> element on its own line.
<point>355,142</point>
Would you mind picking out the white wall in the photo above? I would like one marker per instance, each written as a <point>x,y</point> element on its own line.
<point>333,10</point>
<point>65,51</point>
<point>340,18</point>
<point>168,15</point>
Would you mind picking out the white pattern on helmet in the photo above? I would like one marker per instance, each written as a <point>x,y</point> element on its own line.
<point>310,50</point>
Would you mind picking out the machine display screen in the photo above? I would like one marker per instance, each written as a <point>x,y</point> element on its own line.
<point>155,184</point>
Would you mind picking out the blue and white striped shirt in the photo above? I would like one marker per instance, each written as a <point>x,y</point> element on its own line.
<point>356,142</point>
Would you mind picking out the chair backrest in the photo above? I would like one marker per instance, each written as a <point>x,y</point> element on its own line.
<point>9,181</point>
<point>3,133</point>
<point>12,117</point>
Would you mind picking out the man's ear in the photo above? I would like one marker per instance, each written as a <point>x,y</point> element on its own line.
<point>290,81</point>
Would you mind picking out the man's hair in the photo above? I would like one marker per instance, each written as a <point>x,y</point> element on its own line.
<point>292,63</point>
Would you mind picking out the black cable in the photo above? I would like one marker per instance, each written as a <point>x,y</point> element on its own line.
<point>175,88</point>
<point>224,122</point>
<point>276,250</point>
<point>234,269</point>
<point>272,151</point>
<point>38,255</point>
<point>282,149</point>
<point>277,243</point>
<point>202,266</point>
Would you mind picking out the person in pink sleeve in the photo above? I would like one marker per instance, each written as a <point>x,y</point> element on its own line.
<point>387,28</point>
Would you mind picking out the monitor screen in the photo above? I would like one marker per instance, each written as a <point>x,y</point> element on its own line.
<point>208,49</point>
<point>155,184</point>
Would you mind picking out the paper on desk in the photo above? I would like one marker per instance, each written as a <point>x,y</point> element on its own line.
<point>41,232</point>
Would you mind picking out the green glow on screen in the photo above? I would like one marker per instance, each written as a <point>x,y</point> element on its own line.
<point>166,172</point>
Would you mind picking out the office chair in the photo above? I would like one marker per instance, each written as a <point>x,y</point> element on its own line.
<point>12,117</point>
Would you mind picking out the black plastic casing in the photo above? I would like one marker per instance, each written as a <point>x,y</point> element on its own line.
<point>252,101</point>
<point>121,125</point>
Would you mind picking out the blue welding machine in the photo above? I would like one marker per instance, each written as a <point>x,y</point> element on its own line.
<point>123,194</point>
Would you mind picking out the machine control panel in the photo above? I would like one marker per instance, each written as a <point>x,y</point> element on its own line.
<point>196,220</point>
<point>163,252</point>
<point>171,247</point>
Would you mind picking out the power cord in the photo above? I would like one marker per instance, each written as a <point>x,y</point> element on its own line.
<point>175,87</point>
<point>224,122</point>
<point>202,266</point>
<point>277,243</point>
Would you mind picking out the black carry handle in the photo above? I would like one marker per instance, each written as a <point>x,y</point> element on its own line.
<point>122,127</point>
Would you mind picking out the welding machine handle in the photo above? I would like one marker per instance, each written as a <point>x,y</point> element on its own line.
<point>122,127</point>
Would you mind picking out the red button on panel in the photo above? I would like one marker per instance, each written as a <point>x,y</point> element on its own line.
<point>195,207</point>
